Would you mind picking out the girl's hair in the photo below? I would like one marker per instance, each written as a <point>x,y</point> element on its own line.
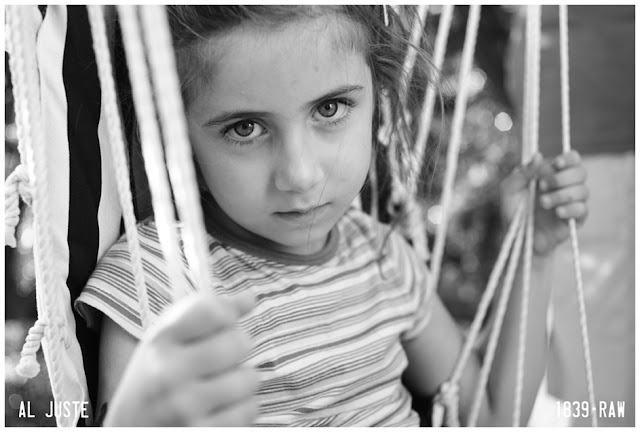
<point>383,43</point>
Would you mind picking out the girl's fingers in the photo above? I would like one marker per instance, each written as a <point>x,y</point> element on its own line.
<point>240,414</point>
<point>577,210</point>
<point>199,316</point>
<point>562,179</point>
<point>214,355</point>
<point>564,196</point>
<point>204,397</point>
<point>566,160</point>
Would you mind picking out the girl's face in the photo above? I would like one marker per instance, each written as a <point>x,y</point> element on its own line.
<point>282,131</point>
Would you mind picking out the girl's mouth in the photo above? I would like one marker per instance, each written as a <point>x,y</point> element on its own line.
<point>303,216</point>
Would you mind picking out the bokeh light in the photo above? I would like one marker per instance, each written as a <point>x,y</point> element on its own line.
<point>503,122</point>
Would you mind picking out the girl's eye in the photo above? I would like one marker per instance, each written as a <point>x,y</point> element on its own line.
<point>333,110</point>
<point>243,131</point>
<point>328,109</point>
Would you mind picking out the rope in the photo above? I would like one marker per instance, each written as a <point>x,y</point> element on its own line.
<point>412,217</point>
<point>16,186</point>
<point>454,144</point>
<point>414,210</point>
<point>179,157</point>
<point>497,326</point>
<point>410,59</point>
<point>24,71</point>
<point>530,147</point>
<point>566,146</point>
<point>152,146</point>
<point>446,404</point>
<point>430,96</point>
<point>485,301</point>
<point>114,128</point>
<point>28,366</point>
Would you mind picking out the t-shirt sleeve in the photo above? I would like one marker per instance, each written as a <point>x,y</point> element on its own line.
<point>111,289</point>
<point>420,294</point>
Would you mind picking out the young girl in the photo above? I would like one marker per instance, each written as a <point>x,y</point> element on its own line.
<point>320,312</point>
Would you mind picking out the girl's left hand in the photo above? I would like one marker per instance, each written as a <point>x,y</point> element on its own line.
<point>562,195</point>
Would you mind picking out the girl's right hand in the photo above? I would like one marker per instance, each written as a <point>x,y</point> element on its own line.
<point>189,371</point>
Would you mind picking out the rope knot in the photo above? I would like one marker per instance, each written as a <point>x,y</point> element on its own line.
<point>29,366</point>
<point>16,185</point>
<point>446,403</point>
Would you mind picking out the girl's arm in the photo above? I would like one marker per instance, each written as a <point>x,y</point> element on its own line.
<point>116,348</point>
<point>433,354</point>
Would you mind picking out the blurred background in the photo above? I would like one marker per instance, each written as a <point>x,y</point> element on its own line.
<point>490,150</point>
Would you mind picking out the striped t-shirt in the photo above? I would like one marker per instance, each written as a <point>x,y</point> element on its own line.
<point>327,334</point>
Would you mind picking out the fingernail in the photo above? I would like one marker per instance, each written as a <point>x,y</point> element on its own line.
<point>561,212</point>
<point>560,162</point>
<point>543,185</point>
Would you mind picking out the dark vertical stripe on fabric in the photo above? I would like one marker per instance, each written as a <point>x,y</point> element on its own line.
<point>82,89</point>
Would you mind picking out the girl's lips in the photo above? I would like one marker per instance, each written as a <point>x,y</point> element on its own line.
<point>303,216</point>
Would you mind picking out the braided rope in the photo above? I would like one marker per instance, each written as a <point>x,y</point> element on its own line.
<point>410,59</point>
<point>497,326</point>
<point>566,146</point>
<point>24,70</point>
<point>16,186</point>
<point>152,146</point>
<point>483,308</point>
<point>492,284</point>
<point>414,210</point>
<point>524,307</point>
<point>430,96</point>
<point>114,128</point>
<point>413,217</point>
<point>533,110</point>
<point>29,366</point>
<point>179,156</point>
<point>456,135</point>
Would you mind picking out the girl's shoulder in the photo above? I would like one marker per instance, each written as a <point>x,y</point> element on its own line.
<point>111,288</point>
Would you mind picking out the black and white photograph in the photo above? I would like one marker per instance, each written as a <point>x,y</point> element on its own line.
<point>304,215</point>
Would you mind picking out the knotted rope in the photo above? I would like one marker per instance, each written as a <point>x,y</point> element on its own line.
<point>24,70</point>
<point>28,366</point>
<point>16,186</point>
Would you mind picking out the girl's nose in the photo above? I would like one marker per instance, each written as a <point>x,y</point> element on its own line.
<point>298,167</point>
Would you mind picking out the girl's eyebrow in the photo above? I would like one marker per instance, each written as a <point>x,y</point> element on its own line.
<point>231,115</point>
<point>337,92</point>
